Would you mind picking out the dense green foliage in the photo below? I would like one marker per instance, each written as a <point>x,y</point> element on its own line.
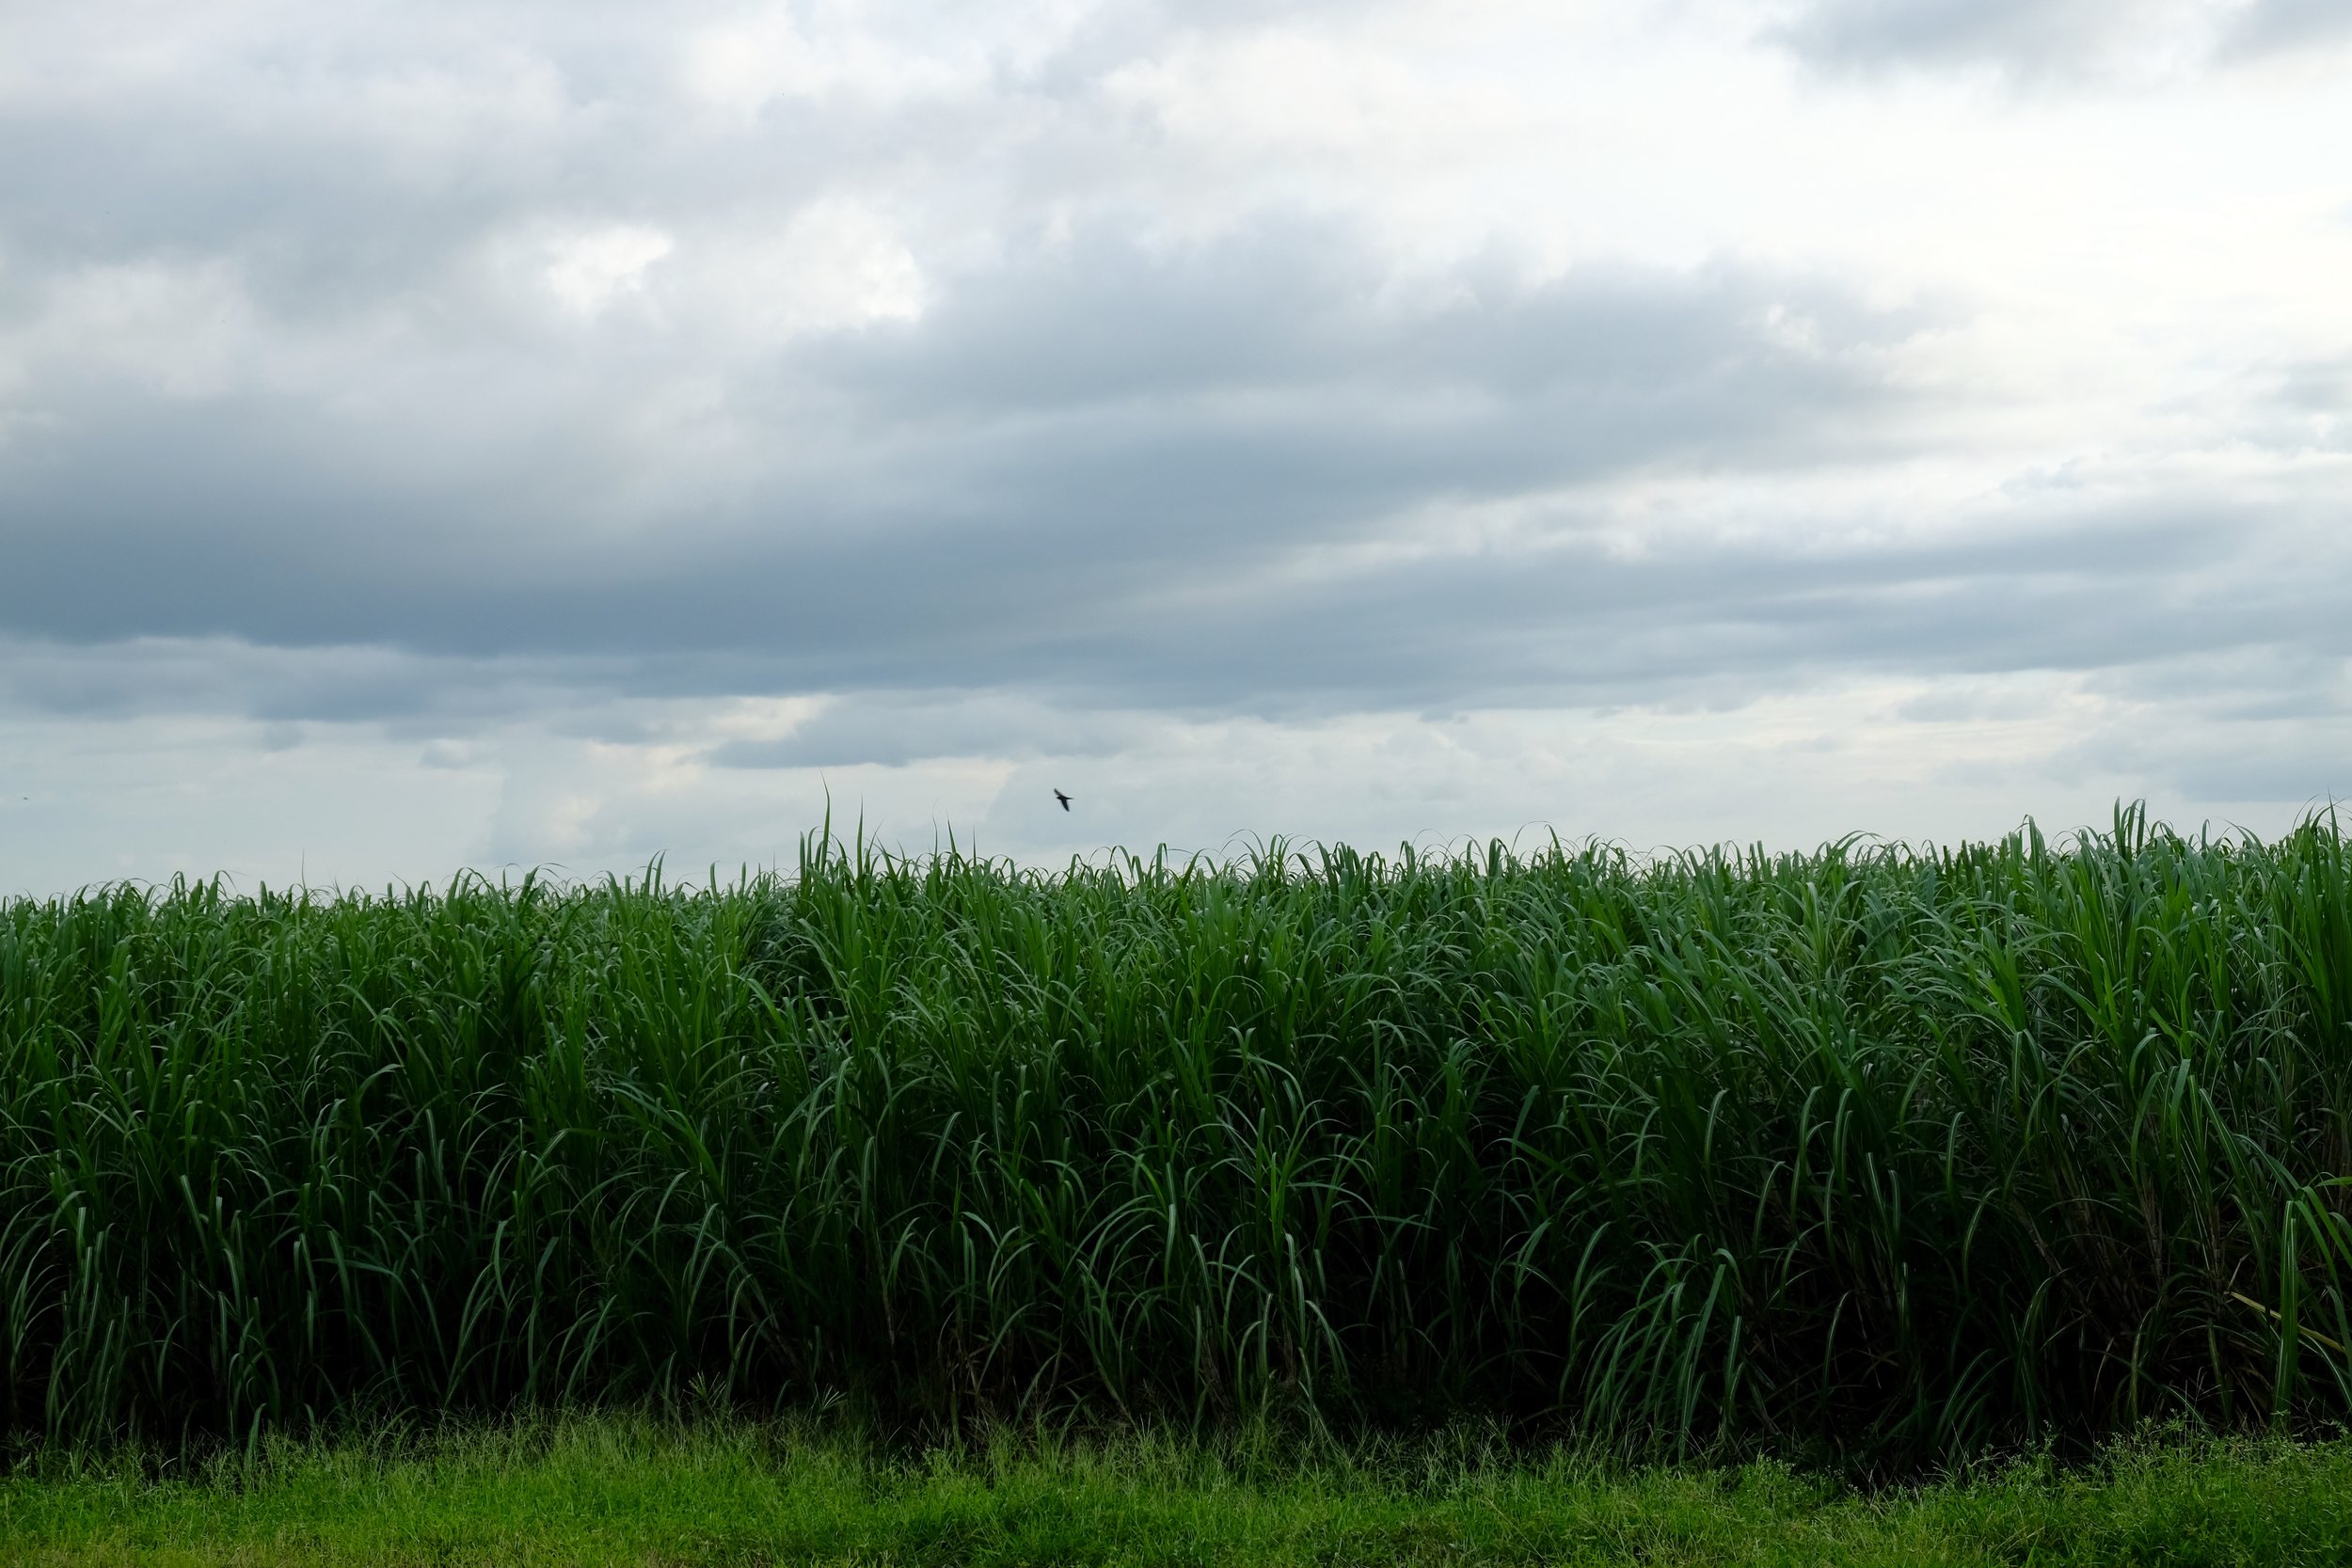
<point>614,1492</point>
<point>1889,1152</point>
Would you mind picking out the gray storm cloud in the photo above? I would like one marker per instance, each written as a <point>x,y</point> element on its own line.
<point>2271,26</point>
<point>2038,39</point>
<point>2031,35</point>
<point>1074,454</point>
<point>1196,475</point>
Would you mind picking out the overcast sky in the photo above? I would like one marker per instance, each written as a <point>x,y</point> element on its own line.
<point>444,435</point>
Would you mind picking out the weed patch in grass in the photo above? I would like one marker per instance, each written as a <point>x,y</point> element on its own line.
<point>615,1491</point>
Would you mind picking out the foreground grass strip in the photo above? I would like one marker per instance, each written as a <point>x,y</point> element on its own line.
<point>614,1494</point>
<point>1893,1153</point>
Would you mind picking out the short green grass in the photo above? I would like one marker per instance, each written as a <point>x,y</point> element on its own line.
<point>622,1491</point>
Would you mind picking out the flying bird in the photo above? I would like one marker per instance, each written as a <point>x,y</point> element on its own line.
<point>1063,799</point>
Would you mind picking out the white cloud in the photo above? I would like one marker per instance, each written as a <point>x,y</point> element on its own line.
<point>834,264</point>
<point>587,271</point>
<point>184,330</point>
<point>1291,92</point>
<point>743,65</point>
